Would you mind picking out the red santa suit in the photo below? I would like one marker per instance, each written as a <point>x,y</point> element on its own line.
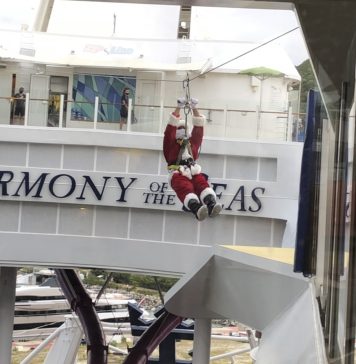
<point>185,177</point>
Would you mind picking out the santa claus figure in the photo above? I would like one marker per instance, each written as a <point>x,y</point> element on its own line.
<point>181,150</point>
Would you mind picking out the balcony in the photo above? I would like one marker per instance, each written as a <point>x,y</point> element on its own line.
<point>224,123</point>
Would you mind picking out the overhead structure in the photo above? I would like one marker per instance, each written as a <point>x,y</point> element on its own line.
<point>329,38</point>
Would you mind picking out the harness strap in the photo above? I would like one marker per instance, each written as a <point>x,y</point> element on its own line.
<point>180,161</point>
<point>173,167</point>
<point>184,143</point>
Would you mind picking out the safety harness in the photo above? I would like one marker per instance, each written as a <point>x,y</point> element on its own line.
<point>184,144</point>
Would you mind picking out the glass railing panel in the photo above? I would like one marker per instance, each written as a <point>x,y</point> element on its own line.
<point>298,127</point>
<point>220,123</point>
<point>108,115</point>
<point>108,125</point>
<point>146,118</point>
<point>81,115</point>
<point>38,112</point>
<point>272,126</point>
<point>214,126</point>
<point>7,108</point>
<point>215,122</point>
<point>241,124</point>
<point>165,118</point>
<point>167,110</point>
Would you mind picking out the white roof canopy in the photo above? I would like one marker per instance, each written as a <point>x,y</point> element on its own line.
<point>175,55</point>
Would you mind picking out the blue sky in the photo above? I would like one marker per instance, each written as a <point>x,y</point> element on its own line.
<point>156,21</point>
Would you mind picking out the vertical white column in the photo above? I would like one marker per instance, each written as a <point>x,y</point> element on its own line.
<point>225,121</point>
<point>161,113</point>
<point>290,125</point>
<point>61,109</point>
<point>7,304</point>
<point>96,110</point>
<point>129,112</point>
<point>27,105</point>
<point>162,95</point>
<point>201,344</point>
<point>259,112</point>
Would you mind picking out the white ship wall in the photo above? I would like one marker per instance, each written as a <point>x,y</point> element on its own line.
<point>137,235</point>
<point>256,180</point>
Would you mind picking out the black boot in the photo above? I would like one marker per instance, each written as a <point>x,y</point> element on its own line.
<point>214,208</point>
<point>200,211</point>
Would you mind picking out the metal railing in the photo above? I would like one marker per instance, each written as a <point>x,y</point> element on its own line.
<point>73,330</point>
<point>143,118</point>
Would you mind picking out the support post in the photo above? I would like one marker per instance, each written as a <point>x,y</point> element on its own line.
<point>7,304</point>
<point>96,110</point>
<point>289,124</point>
<point>61,111</point>
<point>162,97</point>
<point>225,121</point>
<point>202,338</point>
<point>129,113</point>
<point>27,106</point>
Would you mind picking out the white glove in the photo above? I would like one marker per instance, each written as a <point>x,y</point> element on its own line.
<point>180,133</point>
<point>181,102</point>
<point>193,103</point>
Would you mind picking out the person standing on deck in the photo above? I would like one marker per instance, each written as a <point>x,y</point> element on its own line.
<point>19,106</point>
<point>124,109</point>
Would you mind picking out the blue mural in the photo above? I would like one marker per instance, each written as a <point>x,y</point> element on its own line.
<point>107,88</point>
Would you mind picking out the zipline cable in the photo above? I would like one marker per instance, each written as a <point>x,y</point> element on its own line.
<point>220,65</point>
<point>243,54</point>
<point>186,81</point>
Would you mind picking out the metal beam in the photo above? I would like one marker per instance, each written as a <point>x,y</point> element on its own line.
<point>280,5</point>
<point>44,12</point>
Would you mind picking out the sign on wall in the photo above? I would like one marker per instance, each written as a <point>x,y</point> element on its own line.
<point>123,190</point>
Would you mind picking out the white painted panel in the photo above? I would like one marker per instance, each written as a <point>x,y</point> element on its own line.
<point>5,93</point>
<point>38,108</point>
<point>147,101</point>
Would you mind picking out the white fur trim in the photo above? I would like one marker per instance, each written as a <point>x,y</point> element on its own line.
<point>195,169</point>
<point>173,120</point>
<point>207,191</point>
<point>188,197</point>
<point>180,133</point>
<point>198,120</point>
<point>185,171</point>
<point>182,124</point>
<point>170,176</point>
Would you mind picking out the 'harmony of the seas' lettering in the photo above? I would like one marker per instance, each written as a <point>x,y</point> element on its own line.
<point>120,189</point>
<point>25,188</point>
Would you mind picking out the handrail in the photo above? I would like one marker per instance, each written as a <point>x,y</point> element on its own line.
<point>143,117</point>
